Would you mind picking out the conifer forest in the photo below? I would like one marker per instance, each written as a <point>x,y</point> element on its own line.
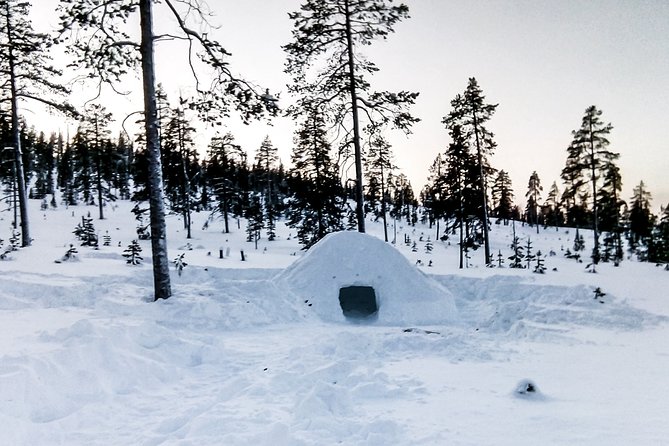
<point>342,170</point>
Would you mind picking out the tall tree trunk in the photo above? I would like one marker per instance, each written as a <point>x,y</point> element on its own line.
<point>186,181</point>
<point>16,134</point>
<point>98,167</point>
<point>383,206</point>
<point>225,190</point>
<point>479,154</point>
<point>359,198</point>
<point>593,171</point>
<point>461,214</point>
<point>161,272</point>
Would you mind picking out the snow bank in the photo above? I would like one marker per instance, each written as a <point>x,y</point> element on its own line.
<point>404,294</point>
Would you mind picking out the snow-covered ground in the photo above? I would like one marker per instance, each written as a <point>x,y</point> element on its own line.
<point>258,352</point>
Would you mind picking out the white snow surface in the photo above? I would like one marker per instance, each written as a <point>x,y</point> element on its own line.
<point>237,357</point>
<point>404,294</point>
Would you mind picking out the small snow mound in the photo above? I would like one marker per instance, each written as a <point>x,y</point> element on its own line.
<point>527,389</point>
<point>404,294</point>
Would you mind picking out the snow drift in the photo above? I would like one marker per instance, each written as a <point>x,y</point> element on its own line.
<point>404,294</point>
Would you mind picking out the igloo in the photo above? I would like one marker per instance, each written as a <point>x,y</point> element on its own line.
<point>353,276</point>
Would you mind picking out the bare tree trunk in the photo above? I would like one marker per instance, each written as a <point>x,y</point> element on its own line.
<point>98,166</point>
<point>16,134</point>
<point>359,198</point>
<point>479,154</point>
<point>161,272</point>
<point>595,217</point>
<point>383,206</point>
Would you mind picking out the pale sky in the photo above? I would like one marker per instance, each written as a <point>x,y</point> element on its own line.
<point>543,62</point>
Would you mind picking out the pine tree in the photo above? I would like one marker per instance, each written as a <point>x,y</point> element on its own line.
<point>226,166</point>
<point>458,188</point>
<point>132,253</point>
<point>95,133</point>
<point>588,157</point>
<point>534,189</point>
<point>436,193</point>
<point>180,162</point>
<point>333,32</point>
<point>26,73</point>
<point>471,113</point>
<point>254,220</point>
<point>103,49</point>
<point>403,199</point>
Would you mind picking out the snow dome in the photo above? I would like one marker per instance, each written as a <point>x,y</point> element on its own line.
<point>347,264</point>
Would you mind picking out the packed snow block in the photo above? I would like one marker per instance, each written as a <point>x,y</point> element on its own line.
<point>403,293</point>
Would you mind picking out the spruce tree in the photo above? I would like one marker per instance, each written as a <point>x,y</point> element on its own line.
<point>315,207</point>
<point>640,218</point>
<point>529,255</point>
<point>44,166</point>
<point>266,159</point>
<point>435,193</point>
<point>500,259</point>
<point>553,213</point>
<point>254,220</point>
<point>661,239</point>
<point>517,256</point>
<point>502,197</point>
<point>539,268</point>
<point>610,212</point>
<point>458,187</point>
<point>132,253</point>
<point>579,245</point>
<point>379,174</point>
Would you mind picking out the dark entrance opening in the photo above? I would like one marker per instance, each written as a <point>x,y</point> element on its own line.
<point>358,302</point>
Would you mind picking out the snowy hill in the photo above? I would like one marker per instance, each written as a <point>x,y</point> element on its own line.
<point>257,352</point>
